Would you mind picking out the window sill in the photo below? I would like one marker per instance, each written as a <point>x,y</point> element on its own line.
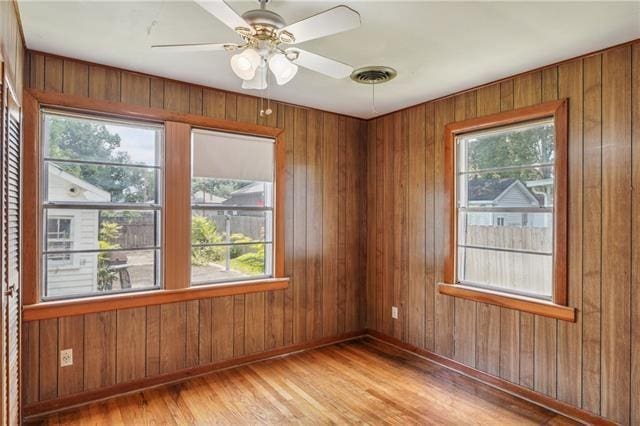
<point>63,308</point>
<point>520,303</point>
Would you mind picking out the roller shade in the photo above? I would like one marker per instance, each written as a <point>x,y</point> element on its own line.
<point>230,156</point>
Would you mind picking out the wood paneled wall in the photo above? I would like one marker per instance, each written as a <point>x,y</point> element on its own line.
<point>325,204</point>
<point>593,363</point>
<point>11,45</point>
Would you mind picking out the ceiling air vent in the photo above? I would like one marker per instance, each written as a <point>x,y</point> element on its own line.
<point>373,75</point>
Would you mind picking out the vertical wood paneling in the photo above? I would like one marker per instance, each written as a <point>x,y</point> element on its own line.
<point>205,332</point>
<point>545,329</point>
<point>48,359</point>
<point>99,350</point>
<point>222,328</point>
<point>135,89</point>
<point>416,302</point>
<point>527,90</point>
<point>430,220</point>
<point>70,336</point>
<point>299,254</point>
<point>254,323</point>
<point>192,339</point>
<point>104,83</point>
<point>329,224</point>
<point>592,233</point>
<point>444,305</point>
<point>173,336</point>
<point>570,85</point>
<point>176,96</point>
<point>635,226</point>
<point>465,310</point>
<point>488,316</point>
<point>371,300</point>
<point>75,78</point>
<point>153,341</point>
<point>53,69</point>
<point>341,221</point>
<point>156,87</point>
<point>616,233</point>
<point>31,361</point>
<point>130,344</point>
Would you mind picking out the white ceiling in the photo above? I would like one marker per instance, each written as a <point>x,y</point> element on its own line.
<point>437,47</point>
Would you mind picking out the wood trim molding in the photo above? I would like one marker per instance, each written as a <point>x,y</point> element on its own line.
<point>557,110</point>
<point>87,305</point>
<point>59,100</point>
<point>40,409</point>
<point>496,382</point>
<point>525,304</point>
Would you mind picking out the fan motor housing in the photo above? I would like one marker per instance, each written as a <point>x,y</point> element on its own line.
<point>264,17</point>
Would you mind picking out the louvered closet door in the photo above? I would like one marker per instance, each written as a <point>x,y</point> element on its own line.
<point>11,256</point>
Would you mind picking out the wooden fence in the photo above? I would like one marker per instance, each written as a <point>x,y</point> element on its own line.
<point>531,273</point>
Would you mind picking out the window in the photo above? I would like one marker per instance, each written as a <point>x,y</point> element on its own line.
<point>59,240</point>
<point>507,192</point>
<point>232,194</point>
<point>101,205</point>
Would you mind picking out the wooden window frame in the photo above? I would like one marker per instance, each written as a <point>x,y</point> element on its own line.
<point>176,218</point>
<point>558,306</point>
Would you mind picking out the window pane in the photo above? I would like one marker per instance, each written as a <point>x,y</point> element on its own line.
<point>92,183</point>
<point>230,263</point>
<point>527,187</point>
<point>101,273</point>
<point>521,273</point>
<point>517,231</point>
<point>232,193</point>
<point>230,226</point>
<point>92,229</point>
<point>85,139</point>
<point>511,146</point>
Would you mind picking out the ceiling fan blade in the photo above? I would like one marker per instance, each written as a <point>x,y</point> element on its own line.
<point>224,13</point>
<point>320,64</point>
<point>332,21</point>
<point>194,47</point>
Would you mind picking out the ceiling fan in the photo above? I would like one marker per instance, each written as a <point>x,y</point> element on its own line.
<point>266,41</point>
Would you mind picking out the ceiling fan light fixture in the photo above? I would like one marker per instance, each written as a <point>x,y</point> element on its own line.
<point>282,68</point>
<point>245,64</point>
<point>259,81</point>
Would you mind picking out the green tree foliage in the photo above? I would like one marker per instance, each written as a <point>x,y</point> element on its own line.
<point>219,187</point>
<point>530,146</point>
<point>71,139</point>
<point>108,235</point>
<point>204,231</point>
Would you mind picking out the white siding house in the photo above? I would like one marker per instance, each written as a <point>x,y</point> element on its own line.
<point>504,193</point>
<point>72,230</point>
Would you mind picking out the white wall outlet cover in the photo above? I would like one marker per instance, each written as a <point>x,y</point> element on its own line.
<point>66,357</point>
<point>394,312</point>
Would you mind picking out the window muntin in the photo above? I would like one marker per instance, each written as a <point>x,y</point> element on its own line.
<point>106,175</point>
<point>232,192</point>
<point>59,238</point>
<point>504,190</point>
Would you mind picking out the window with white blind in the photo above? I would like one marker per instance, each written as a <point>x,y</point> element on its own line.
<point>232,194</point>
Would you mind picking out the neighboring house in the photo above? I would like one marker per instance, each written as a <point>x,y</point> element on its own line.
<point>202,197</point>
<point>250,195</point>
<point>72,230</point>
<point>504,193</point>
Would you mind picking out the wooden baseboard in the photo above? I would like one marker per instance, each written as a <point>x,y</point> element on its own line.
<point>519,391</point>
<point>37,410</point>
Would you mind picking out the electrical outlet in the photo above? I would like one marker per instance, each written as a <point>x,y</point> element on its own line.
<point>66,357</point>
<point>394,312</point>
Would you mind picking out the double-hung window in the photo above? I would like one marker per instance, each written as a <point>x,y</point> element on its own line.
<point>101,205</point>
<point>507,199</point>
<point>232,195</point>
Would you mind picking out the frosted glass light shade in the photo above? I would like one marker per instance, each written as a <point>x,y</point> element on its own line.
<point>245,64</point>
<point>259,81</point>
<point>282,68</point>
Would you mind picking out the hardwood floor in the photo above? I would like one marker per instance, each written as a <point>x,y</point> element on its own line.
<point>353,382</point>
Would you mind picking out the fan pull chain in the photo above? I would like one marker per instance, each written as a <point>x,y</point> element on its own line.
<point>373,98</point>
